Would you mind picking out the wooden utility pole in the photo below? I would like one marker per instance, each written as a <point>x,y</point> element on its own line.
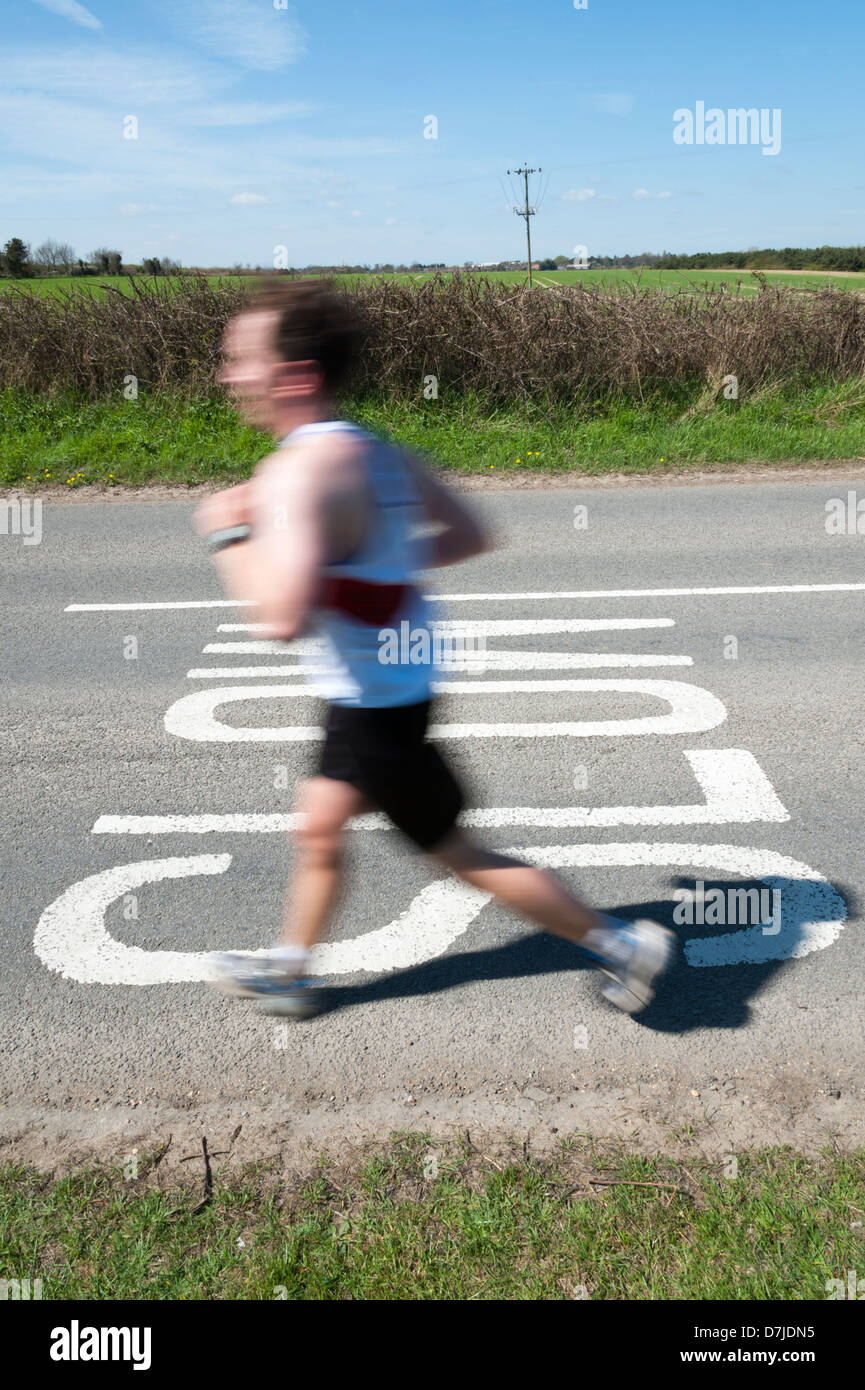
<point>526,212</point>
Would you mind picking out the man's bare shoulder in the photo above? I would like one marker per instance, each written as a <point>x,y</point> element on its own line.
<point>320,483</point>
<point>322,463</point>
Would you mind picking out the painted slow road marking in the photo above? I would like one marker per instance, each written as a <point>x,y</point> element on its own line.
<point>736,791</point>
<point>692,710</point>
<point>525,597</point>
<point>72,937</point>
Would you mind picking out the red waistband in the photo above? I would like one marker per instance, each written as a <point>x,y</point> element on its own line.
<point>373,604</point>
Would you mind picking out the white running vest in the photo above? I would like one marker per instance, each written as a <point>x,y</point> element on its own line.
<point>374,642</point>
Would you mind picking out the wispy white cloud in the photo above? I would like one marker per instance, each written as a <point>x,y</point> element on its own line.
<point>246,200</point>
<point>143,77</point>
<point>188,92</point>
<point>170,152</point>
<point>612,103</point>
<point>256,36</point>
<point>71,10</point>
<point>244,113</point>
<point>588,195</point>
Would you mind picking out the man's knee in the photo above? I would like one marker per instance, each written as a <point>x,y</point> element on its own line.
<point>325,809</point>
<point>320,840</point>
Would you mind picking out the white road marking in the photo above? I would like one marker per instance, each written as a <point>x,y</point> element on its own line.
<point>156,606</point>
<point>72,939</point>
<point>480,661</point>
<point>736,791</point>
<point>525,597</point>
<point>480,627</point>
<point>298,646</point>
<point>692,710</point>
<point>712,590</point>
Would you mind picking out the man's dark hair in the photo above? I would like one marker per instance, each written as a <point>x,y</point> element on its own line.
<point>317,322</point>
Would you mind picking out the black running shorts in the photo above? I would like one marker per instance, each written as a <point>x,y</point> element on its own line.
<point>385,754</point>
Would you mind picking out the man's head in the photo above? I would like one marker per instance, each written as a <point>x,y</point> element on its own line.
<point>289,353</point>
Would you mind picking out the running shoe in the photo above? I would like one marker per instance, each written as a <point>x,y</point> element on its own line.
<point>631,982</point>
<point>244,975</point>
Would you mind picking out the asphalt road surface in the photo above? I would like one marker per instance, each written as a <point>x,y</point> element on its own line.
<point>668,697</point>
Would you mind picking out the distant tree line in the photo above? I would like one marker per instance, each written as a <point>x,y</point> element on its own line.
<point>388,268</point>
<point>18,262</point>
<point>787,258</point>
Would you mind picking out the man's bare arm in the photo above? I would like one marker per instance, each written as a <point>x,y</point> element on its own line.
<point>462,535</point>
<point>296,505</point>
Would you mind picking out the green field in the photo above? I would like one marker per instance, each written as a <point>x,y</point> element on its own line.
<point>97,284</point>
<point>624,279</point>
<point>671,280</point>
<point>694,279</point>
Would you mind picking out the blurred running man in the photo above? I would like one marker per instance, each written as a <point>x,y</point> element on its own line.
<point>323,540</point>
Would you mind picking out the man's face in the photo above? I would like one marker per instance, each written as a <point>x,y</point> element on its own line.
<point>251,366</point>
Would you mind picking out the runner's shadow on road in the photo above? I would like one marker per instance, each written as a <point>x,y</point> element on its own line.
<point>689,996</point>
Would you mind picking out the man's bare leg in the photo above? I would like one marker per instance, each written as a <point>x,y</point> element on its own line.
<point>312,892</point>
<point>632,955</point>
<point>535,893</point>
<point>314,885</point>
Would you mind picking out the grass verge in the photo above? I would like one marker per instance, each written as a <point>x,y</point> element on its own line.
<point>168,439</point>
<point>416,1220</point>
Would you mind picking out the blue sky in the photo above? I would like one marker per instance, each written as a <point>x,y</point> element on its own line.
<point>303,126</point>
